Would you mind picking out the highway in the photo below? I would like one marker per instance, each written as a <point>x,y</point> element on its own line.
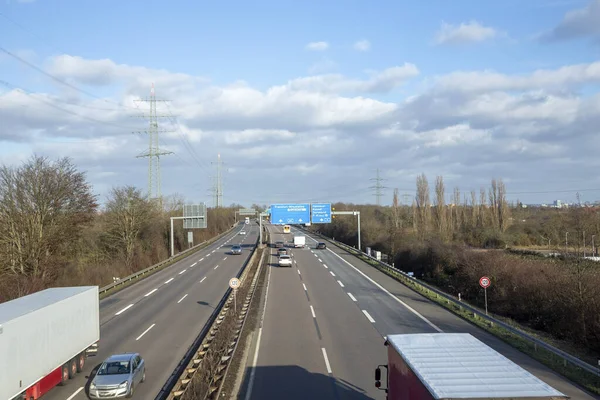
<point>160,316</point>
<point>333,352</point>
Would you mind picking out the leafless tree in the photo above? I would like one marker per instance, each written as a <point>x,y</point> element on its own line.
<point>440,207</point>
<point>44,206</point>
<point>423,206</point>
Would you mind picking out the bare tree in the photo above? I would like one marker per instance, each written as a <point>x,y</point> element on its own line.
<point>440,207</point>
<point>128,211</point>
<point>423,206</point>
<point>503,208</point>
<point>396,210</point>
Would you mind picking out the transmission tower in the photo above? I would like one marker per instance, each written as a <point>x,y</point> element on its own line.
<point>378,188</point>
<point>154,151</point>
<point>218,188</point>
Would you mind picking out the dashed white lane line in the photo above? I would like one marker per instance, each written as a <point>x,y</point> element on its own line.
<point>305,289</point>
<point>202,259</point>
<point>169,280</point>
<point>216,267</point>
<point>146,331</point>
<point>326,360</point>
<point>150,292</point>
<point>312,311</point>
<point>125,309</point>
<point>388,293</point>
<point>75,394</point>
<point>193,264</point>
<point>341,284</point>
<point>316,256</point>
<point>225,259</point>
<point>352,297</point>
<point>182,271</point>
<point>202,280</point>
<point>331,272</point>
<point>298,272</point>
<point>320,260</point>
<point>181,299</point>
<point>368,316</point>
<point>325,266</point>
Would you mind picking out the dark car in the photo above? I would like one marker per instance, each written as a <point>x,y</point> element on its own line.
<point>236,249</point>
<point>321,245</point>
<point>281,251</point>
<point>279,244</point>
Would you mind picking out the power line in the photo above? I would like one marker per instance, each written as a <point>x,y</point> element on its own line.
<point>378,188</point>
<point>218,188</point>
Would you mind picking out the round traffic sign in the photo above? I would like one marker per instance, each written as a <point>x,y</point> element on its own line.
<point>485,282</point>
<point>234,283</point>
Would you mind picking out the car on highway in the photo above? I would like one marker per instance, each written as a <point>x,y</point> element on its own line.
<point>285,260</point>
<point>118,376</point>
<point>242,232</point>
<point>236,249</point>
<point>321,245</point>
<point>279,244</point>
<point>281,251</point>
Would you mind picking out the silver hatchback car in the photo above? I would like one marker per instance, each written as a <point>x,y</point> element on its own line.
<point>118,376</point>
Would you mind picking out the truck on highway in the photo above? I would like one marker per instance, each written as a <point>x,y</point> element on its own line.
<point>247,221</point>
<point>45,338</point>
<point>443,366</point>
<point>299,241</point>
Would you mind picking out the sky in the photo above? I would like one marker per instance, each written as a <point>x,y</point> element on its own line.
<point>308,101</point>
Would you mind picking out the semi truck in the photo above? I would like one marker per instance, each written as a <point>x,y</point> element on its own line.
<point>444,366</point>
<point>299,241</point>
<point>45,338</point>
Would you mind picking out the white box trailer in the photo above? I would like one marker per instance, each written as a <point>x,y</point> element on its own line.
<point>299,241</point>
<point>45,338</point>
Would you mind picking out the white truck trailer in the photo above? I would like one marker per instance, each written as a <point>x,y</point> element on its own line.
<point>299,241</point>
<point>45,338</point>
<point>450,366</point>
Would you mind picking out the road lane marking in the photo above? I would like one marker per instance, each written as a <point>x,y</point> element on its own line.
<point>325,266</point>
<point>150,292</point>
<point>75,394</point>
<point>298,272</point>
<point>331,272</point>
<point>125,309</point>
<point>320,260</point>
<point>352,297</point>
<point>326,360</point>
<point>146,331</point>
<point>169,280</point>
<point>368,316</point>
<point>193,264</point>
<point>312,311</point>
<point>316,256</point>
<point>225,259</point>
<point>182,271</point>
<point>202,259</point>
<point>202,280</point>
<point>216,267</point>
<point>305,289</point>
<point>341,284</point>
<point>181,299</point>
<point>388,292</point>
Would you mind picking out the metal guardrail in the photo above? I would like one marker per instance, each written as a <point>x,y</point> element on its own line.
<point>537,342</point>
<point>151,268</point>
<point>187,362</point>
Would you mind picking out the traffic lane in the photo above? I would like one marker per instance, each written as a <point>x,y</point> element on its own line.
<point>163,309</point>
<point>449,322</point>
<point>353,357</point>
<point>289,338</point>
<point>122,298</point>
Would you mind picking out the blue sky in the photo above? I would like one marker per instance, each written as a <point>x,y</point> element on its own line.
<point>264,45</point>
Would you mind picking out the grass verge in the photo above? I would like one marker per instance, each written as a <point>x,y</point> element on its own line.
<point>576,374</point>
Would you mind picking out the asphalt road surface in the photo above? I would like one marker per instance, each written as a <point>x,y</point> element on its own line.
<point>355,306</point>
<point>160,316</point>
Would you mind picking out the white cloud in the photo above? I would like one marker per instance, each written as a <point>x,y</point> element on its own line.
<point>470,32</point>
<point>362,45</point>
<point>317,137</point>
<point>317,46</point>
<point>576,23</point>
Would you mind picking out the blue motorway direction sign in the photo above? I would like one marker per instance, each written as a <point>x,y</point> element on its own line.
<point>321,213</point>
<point>282,214</point>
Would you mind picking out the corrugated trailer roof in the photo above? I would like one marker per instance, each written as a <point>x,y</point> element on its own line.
<point>458,366</point>
<point>26,304</point>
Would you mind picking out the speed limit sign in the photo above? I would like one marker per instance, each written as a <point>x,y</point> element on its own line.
<point>485,282</point>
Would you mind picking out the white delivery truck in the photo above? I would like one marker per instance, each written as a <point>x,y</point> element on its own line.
<point>45,338</point>
<point>299,241</point>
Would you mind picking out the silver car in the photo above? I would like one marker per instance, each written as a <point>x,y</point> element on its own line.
<point>236,249</point>
<point>118,376</point>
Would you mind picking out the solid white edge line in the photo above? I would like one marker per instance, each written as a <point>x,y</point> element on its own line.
<point>341,284</point>
<point>352,297</point>
<point>125,309</point>
<point>388,293</point>
<point>368,316</point>
<point>146,331</point>
<point>181,299</point>
<point>255,359</point>
<point>312,311</point>
<point>326,360</point>
<point>202,280</point>
<point>182,271</point>
<point>150,292</point>
<point>305,287</point>
<point>169,280</point>
<point>75,394</point>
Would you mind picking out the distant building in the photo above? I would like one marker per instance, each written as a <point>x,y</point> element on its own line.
<point>557,203</point>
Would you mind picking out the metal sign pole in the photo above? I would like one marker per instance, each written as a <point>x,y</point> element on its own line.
<point>234,301</point>
<point>485,294</point>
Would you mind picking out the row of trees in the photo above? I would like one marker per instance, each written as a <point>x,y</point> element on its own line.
<point>452,245</point>
<point>53,232</point>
